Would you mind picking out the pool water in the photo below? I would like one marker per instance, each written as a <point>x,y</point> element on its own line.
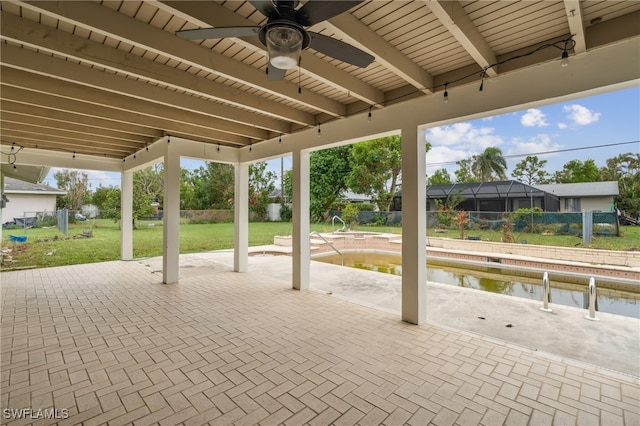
<point>565,290</point>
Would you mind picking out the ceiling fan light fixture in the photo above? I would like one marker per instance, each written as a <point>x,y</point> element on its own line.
<point>284,44</point>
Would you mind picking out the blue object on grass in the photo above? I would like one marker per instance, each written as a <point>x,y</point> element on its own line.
<point>18,238</point>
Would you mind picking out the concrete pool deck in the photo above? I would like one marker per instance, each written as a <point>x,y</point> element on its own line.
<point>613,342</point>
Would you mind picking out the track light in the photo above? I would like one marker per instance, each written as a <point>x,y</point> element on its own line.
<point>280,138</point>
<point>146,147</point>
<point>445,99</point>
<point>319,131</point>
<point>218,147</point>
<point>74,154</point>
<point>369,115</point>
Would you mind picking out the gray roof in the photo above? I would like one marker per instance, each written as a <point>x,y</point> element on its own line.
<point>584,189</point>
<point>15,186</point>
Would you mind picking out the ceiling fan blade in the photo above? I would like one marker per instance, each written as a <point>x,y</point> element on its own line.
<point>266,7</point>
<point>315,11</point>
<point>340,50</point>
<point>274,73</point>
<point>221,32</point>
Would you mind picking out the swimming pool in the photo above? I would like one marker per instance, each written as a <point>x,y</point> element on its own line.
<point>566,289</point>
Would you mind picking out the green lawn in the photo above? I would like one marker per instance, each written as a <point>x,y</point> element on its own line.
<point>48,247</point>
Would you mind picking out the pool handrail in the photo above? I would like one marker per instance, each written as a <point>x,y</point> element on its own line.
<point>330,244</point>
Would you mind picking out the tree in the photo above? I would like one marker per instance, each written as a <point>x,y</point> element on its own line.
<point>531,171</point>
<point>141,204</point>
<point>77,185</point>
<point>376,166</point>
<point>625,169</point>
<point>150,181</point>
<point>101,195</point>
<point>490,165</point>
<point>440,177</point>
<point>576,171</point>
<point>213,187</point>
<point>261,185</point>
<point>328,172</point>
<point>464,174</point>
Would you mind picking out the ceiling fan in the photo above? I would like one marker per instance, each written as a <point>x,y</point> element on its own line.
<point>284,35</point>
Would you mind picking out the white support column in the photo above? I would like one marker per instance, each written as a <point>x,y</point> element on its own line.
<point>171,219</point>
<point>126,215</point>
<point>414,269</point>
<point>241,218</point>
<point>301,247</point>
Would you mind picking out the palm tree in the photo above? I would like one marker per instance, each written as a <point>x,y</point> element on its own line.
<point>490,165</point>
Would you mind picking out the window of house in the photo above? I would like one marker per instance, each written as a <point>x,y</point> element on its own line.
<point>572,204</point>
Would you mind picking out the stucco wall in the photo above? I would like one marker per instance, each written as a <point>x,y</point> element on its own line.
<point>591,203</point>
<point>20,203</point>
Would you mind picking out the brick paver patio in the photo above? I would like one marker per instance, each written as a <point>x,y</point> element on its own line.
<point>109,344</point>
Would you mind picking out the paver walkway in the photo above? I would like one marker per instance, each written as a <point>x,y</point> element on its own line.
<point>109,344</point>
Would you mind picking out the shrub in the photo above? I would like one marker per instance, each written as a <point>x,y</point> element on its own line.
<point>286,213</point>
<point>350,214</point>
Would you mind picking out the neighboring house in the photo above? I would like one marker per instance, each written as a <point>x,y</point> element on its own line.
<point>25,199</point>
<point>502,196</point>
<point>352,197</point>
<point>576,197</point>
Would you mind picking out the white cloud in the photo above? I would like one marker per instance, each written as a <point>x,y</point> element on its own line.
<point>96,178</point>
<point>438,155</point>
<point>562,126</point>
<point>464,137</point>
<point>533,118</point>
<point>457,142</point>
<point>581,115</point>
<point>533,145</point>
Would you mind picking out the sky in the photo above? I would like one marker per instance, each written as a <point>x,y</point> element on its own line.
<point>566,130</point>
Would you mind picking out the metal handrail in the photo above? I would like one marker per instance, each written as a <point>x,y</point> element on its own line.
<point>546,292</point>
<point>333,222</point>
<point>330,244</point>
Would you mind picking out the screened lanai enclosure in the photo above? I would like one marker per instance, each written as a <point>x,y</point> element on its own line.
<point>503,196</point>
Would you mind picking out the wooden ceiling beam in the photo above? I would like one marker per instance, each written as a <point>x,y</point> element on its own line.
<point>365,38</point>
<point>31,61</point>
<point>69,127</point>
<point>121,108</point>
<point>101,141</point>
<point>166,124</point>
<point>99,123</point>
<point>575,18</point>
<point>108,22</point>
<point>37,140</point>
<point>42,37</point>
<point>453,17</point>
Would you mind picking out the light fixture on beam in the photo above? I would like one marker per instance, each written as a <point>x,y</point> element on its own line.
<point>564,60</point>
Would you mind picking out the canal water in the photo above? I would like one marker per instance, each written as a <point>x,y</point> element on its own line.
<point>566,289</point>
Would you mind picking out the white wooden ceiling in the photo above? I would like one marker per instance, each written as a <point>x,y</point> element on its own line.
<point>109,78</point>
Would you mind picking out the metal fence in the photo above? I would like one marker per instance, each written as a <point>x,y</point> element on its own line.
<point>603,223</point>
<point>41,219</point>
<point>62,216</point>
